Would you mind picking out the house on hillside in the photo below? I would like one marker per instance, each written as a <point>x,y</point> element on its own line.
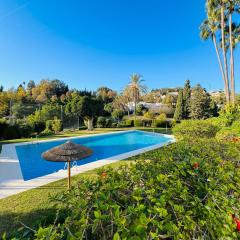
<point>154,107</point>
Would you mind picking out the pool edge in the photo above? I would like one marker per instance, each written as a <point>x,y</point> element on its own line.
<point>12,187</point>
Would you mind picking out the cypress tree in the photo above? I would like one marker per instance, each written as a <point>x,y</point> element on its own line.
<point>200,103</point>
<point>178,114</point>
<point>186,99</point>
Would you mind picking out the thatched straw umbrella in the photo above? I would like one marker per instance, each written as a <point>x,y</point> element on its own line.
<point>67,152</point>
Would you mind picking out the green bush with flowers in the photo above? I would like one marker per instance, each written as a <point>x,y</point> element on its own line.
<point>187,190</point>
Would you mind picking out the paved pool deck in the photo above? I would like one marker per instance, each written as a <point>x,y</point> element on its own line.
<point>11,179</point>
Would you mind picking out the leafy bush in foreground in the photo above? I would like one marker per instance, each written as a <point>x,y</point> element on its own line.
<point>188,190</point>
<point>195,129</point>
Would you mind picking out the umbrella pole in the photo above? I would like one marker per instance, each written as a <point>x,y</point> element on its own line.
<point>69,175</point>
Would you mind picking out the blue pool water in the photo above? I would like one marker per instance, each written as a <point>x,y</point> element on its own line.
<point>103,146</point>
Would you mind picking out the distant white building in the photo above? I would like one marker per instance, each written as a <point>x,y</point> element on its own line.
<point>154,107</point>
<point>216,93</point>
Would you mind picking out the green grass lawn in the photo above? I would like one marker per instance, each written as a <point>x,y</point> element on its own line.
<point>31,206</point>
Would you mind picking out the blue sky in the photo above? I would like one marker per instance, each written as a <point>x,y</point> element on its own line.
<point>95,43</point>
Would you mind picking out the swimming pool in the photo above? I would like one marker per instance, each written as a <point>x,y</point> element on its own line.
<point>104,146</point>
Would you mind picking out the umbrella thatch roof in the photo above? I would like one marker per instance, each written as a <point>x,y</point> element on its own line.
<point>67,152</point>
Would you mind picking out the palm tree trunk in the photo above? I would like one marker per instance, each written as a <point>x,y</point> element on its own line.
<point>219,58</point>
<point>232,82</point>
<point>135,108</point>
<point>135,103</point>
<point>225,56</point>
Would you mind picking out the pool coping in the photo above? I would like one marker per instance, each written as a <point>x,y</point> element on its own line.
<point>15,183</point>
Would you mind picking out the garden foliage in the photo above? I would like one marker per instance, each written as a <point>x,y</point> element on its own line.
<point>195,129</point>
<point>188,190</point>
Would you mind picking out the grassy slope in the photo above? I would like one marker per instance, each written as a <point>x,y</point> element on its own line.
<point>31,206</point>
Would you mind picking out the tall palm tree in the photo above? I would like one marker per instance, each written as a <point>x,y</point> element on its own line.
<point>232,7</point>
<point>208,30</point>
<point>136,88</point>
<point>216,18</point>
<point>220,23</point>
<point>223,45</point>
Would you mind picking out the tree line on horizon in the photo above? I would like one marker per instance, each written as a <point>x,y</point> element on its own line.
<point>53,98</point>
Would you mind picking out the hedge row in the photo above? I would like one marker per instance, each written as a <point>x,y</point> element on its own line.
<point>23,129</point>
<point>16,130</point>
<point>104,122</point>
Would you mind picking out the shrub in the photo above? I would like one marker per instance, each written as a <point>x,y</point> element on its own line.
<point>39,126</point>
<point>18,130</point>
<point>101,122</point>
<point>231,113</point>
<point>46,132</point>
<point>109,122</point>
<point>129,122</point>
<point>188,190</point>
<point>161,121</point>
<point>57,126</point>
<point>114,124</point>
<point>149,115</point>
<point>3,126</point>
<point>195,129</point>
<point>54,125</point>
<point>226,134</point>
<point>173,123</point>
<point>12,132</point>
<point>162,117</point>
<point>25,130</point>
<point>220,121</point>
<point>147,122</point>
<point>138,123</point>
<point>236,125</point>
<point>140,110</point>
<point>118,114</point>
<point>49,124</point>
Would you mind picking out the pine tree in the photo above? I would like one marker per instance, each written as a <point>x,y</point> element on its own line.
<point>178,114</point>
<point>200,103</point>
<point>186,100</point>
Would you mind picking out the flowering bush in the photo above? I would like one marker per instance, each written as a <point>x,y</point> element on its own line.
<point>187,190</point>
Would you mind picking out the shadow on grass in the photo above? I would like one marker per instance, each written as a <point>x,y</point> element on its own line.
<point>17,225</point>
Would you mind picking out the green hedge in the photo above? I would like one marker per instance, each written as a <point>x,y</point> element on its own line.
<point>16,130</point>
<point>3,126</point>
<point>195,129</point>
<point>188,190</point>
